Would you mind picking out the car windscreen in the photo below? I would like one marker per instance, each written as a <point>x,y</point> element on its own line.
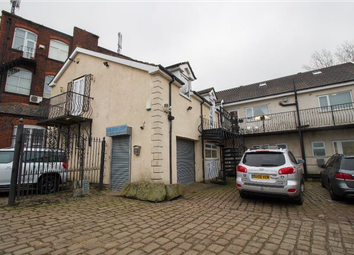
<point>265,159</point>
<point>347,163</point>
<point>6,157</point>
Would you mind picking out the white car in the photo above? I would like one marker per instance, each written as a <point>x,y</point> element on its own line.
<point>271,172</point>
<point>42,168</point>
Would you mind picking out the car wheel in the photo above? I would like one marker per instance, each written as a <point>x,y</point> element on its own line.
<point>48,184</point>
<point>331,193</point>
<point>300,199</point>
<point>243,194</point>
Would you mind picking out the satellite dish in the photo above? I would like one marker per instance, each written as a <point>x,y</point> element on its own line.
<point>120,39</point>
<point>15,4</point>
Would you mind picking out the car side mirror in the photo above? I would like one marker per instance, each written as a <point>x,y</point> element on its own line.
<point>300,161</point>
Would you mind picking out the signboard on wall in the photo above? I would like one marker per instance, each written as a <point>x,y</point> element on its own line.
<point>118,130</point>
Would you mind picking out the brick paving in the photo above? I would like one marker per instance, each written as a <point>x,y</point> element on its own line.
<point>210,221</point>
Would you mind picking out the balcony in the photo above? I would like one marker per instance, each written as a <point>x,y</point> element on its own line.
<point>312,119</point>
<point>65,109</point>
<point>27,52</point>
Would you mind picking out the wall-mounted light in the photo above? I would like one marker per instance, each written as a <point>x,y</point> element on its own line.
<point>106,64</point>
<point>189,108</point>
<point>143,126</point>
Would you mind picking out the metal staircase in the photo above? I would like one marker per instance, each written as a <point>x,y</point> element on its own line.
<point>226,135</point>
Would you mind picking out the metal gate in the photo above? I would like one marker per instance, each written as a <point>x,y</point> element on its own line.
<point>46,161</point>
<point>120,169</point>
<point>185,162</point>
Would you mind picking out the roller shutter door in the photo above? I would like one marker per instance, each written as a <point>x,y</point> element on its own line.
<point>120,173</point>
<point>185,161</point>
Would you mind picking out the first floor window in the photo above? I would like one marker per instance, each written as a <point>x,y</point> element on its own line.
<point>337,101</point>
<point>319,149</point>
<point>35,136</point>
<point>255,111</point>
<point>344,147</point>
<point>47,90</point>
<point>211,151</point>
<point>18,81</point>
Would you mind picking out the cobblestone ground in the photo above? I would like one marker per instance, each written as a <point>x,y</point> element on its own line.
<point>211,221</point>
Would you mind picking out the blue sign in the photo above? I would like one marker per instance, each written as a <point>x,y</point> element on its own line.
<point>118,130</point>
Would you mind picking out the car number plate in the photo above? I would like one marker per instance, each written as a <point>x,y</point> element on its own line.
<point>260,176</point>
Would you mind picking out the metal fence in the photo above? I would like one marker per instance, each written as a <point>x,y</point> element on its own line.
<point>51,160</point>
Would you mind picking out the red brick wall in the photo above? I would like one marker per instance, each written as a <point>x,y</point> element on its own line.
<point>85,39</point>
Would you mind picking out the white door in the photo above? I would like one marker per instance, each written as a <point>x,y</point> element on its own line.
<point>211,162</point>
<point>78,98</point>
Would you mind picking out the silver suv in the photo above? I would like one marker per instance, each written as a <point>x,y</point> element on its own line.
<point>41,167</point>
<point>271,172</point>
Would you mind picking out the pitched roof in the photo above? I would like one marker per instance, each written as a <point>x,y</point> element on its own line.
<point>182,63</point>
<point>328,76</point>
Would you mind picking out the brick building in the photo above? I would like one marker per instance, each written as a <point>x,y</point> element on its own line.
<point>31,54</point>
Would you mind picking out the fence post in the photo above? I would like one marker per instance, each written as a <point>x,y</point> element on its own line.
<point>15,165</point>
<point>103,151</point>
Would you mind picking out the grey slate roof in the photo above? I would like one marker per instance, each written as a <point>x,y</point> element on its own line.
<point>329,76</point>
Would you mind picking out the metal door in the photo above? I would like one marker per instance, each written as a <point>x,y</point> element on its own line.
<point>120,167</point>
<point>185,162</point>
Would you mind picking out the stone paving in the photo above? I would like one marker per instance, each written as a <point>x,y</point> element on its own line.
<point>210,221</point>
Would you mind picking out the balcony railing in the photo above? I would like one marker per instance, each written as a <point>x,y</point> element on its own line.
<point>27,51</point>
<point>313,118</point>
<point>227,122</point>
<point>65,105</point>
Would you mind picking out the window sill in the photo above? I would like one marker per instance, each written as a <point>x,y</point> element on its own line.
<point>18,94</point>
<point>55,60</point>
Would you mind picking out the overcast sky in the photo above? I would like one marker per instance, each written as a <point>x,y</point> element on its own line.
<point>228,44</point>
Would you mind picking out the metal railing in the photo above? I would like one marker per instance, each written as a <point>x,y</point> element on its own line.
<point>65,105</point>
<point>27,51</point>
<point>335,115</point>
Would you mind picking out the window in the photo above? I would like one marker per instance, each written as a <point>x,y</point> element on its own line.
<point>18,81</point>
<point>344,147</point>
<point>47,90</point>
<point>319,149</point>
<point>186,88</point>
<point>58,50</point>
<point>255,111</point>
<point>267,158</point>
<point>25,41</point>
<point>211,151</point>
<point>35,133</point>
<point>292,157</point>
<point>6,157</point>
<point>338,101</point>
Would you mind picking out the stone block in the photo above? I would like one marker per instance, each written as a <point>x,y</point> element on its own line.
<point>156,163</point>
<point>130,190</point>
<point>157,170</point>
<point>153,192</point>
<point>156,150</point>
<point>157,156</point>
<point>156,137</point>
<point>173,191</point>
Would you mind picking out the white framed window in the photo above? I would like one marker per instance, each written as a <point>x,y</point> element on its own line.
<point>18,81</point>
<point>211,151</point>
<point>343,147</point>
<point>35,136</point>
<point>256,111</point>
<point>319,149</point>
<point>25,41</point>
<point>47,90</point>
<point>282,145</point>
<point>58,50</point>
<point>185,90</point>
<point>340,100</point>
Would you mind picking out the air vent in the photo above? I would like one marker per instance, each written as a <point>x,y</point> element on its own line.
<point>35,99</point>
<point>262,84</point>
<point>316,72</point>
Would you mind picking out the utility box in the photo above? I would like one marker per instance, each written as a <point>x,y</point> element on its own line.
<point>137,149</point>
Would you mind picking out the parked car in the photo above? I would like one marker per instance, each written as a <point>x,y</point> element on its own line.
<point>338,176</point>
<point>42,168</point>
<point>271,172</point>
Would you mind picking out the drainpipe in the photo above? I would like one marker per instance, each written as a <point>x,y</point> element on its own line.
<point>300,132</point>
<point>170,118</point>
<point>203,156</point>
